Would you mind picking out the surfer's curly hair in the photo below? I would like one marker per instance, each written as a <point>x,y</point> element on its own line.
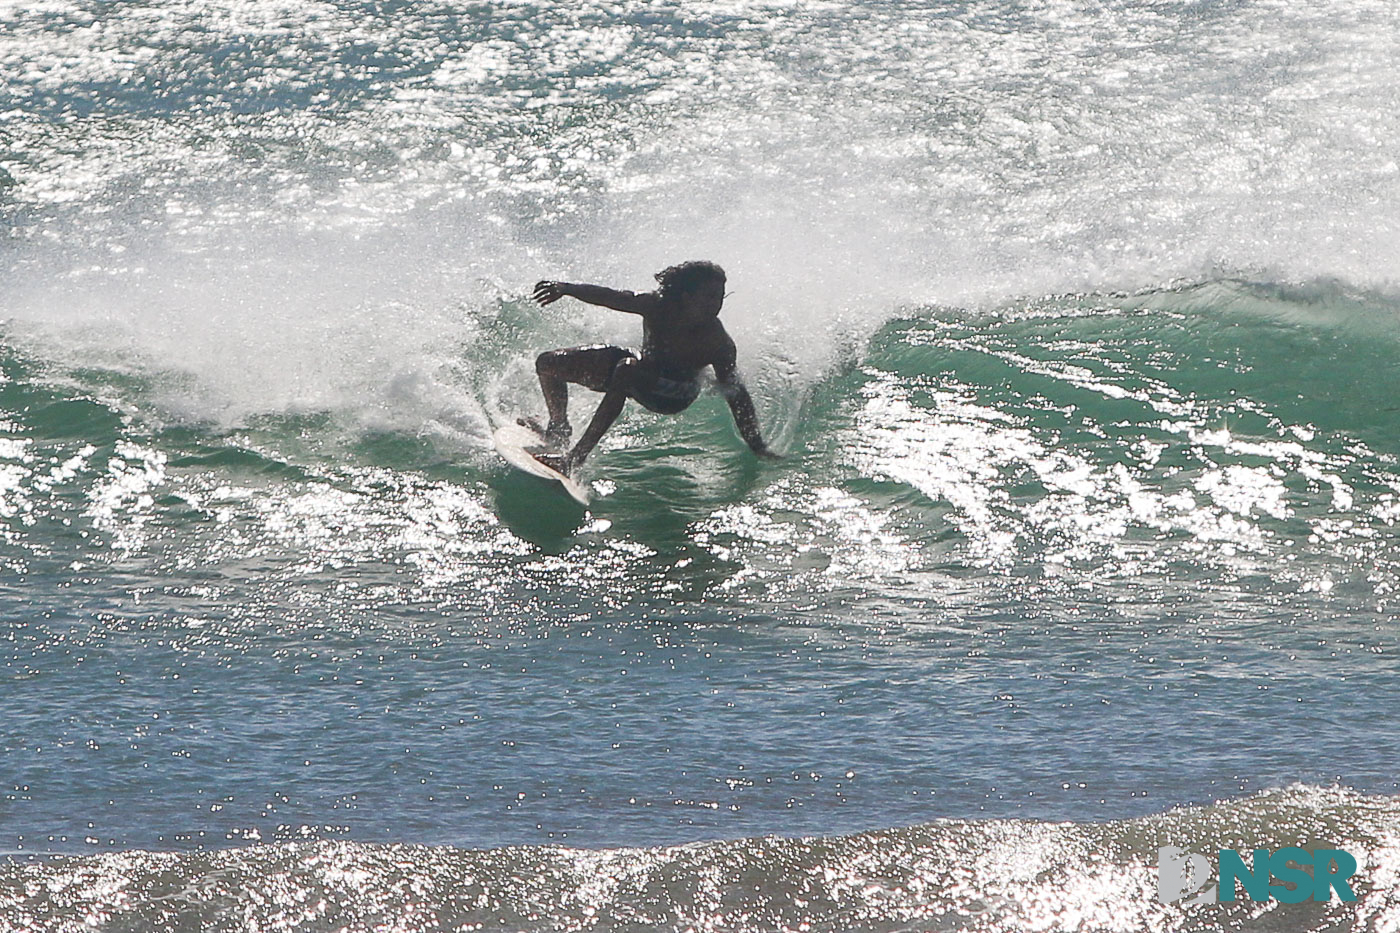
<point>687,276</point>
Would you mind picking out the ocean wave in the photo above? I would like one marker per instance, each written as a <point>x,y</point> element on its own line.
<point>1242,427</point>
<point>952,875</point>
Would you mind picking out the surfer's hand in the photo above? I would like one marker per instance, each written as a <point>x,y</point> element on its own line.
<point>764,453</point>
<point>548,292</point>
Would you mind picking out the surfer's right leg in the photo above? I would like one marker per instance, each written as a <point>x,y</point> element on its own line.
<point>636,379</point>
<point>590,367</point>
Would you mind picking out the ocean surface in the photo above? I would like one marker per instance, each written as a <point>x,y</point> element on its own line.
<point>1076,322</point>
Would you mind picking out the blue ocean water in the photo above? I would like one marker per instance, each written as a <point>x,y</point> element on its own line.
<point>1076,323</point>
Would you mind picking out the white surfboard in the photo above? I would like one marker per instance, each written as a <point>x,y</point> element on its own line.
<point>514,443</point>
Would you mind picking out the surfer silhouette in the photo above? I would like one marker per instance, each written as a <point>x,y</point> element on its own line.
<point>681,335</point>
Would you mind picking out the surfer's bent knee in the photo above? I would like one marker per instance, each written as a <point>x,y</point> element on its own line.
<point>546,360</point>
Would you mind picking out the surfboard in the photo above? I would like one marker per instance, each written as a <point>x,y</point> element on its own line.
<point>514,443</point>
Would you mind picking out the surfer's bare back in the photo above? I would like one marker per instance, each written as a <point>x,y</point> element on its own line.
<point>681,335</point>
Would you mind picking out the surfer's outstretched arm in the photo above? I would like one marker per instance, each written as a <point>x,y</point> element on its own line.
<point>548,292</point>
<point>741,404</point>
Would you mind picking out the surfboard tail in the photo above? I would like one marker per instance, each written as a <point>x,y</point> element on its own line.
<point>518,443</point>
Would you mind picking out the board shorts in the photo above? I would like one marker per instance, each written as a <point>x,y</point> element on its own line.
<point>668,394</point>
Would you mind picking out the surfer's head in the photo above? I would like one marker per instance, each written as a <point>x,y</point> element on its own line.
<point>697,286</point>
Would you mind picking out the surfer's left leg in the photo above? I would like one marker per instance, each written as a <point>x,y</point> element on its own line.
<point>590,367</point>
<point>631,378</point>
<point>603,417</point>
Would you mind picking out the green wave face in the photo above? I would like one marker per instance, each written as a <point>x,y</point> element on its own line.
<point>1216,436</point>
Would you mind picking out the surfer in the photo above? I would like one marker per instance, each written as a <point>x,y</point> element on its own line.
<point>681,335</point>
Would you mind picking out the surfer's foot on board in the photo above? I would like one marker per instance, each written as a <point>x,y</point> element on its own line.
<point>556,436</point>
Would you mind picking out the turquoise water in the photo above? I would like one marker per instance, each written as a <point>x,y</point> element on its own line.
<point>1076,325</point>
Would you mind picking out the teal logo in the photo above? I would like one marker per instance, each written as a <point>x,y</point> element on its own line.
<point>1281,875</point>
